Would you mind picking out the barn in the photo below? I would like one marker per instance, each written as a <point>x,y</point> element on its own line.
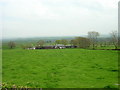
<point>57,46</point>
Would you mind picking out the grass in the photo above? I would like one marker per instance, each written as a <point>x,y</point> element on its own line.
<point>60,68</point>
<point>0,68</point>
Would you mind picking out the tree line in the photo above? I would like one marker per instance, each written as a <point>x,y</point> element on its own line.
<point>81,42</point>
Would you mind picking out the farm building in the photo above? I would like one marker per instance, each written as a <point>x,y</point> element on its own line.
<point>32,48</point>
<point>57,46</point>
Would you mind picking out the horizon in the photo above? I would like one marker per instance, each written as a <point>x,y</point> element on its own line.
<point>44,37</point>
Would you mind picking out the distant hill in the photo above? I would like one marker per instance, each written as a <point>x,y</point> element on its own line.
<point>35,39</point>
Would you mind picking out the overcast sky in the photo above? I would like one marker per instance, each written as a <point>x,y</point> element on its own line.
<point>37,18</point>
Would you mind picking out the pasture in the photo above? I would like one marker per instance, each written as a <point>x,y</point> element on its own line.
<point>60,68</point>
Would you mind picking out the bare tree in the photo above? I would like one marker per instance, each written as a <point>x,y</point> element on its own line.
<point>114,38</point>
<point>93,35</point>
<point>11,44</point>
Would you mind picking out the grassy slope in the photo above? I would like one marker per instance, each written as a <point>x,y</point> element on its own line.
<point>75,68</point>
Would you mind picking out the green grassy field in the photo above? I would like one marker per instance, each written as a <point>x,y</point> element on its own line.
<point>60,68</point>
<point>0,68</point>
